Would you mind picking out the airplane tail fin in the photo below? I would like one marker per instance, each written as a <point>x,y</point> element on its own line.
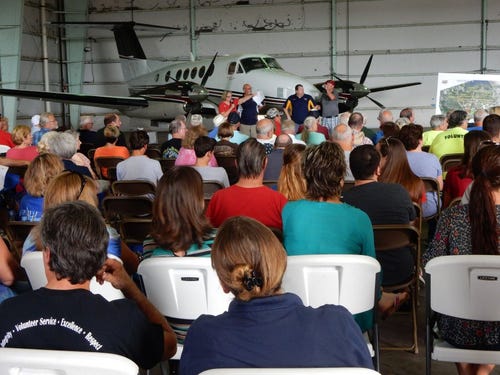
<point>132,56</point>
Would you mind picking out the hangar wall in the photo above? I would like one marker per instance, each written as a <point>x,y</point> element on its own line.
<point>410,40</point>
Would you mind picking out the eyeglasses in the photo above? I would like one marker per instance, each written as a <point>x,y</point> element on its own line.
<point>83,182</point>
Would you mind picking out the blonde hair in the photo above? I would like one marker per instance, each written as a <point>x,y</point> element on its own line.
<point>248,258</point>
<point>40,172</point>
<point>192,135</point>
<point>71,186</point>
<point>291,182</point>
<point>20,133</point>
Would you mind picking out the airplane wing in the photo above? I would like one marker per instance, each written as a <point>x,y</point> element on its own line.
<point>102,101</point>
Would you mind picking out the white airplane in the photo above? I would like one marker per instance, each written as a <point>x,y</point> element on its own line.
<point>185,87</point>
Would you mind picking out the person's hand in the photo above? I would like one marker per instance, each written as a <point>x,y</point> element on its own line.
<point>114,272</point>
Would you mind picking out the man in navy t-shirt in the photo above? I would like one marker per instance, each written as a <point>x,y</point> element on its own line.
<point>298,105</point>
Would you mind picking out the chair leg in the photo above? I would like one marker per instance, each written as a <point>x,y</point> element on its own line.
<point>414,346</point>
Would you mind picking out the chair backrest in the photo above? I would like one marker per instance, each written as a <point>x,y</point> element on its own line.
<point>108,163</point>
<point>210,187</point>
<point>394,236</point>
<point>450,160</point>
<point>183,288</point>
<point>432,185</point>
<point>133,187</point>
<point>153,152</point>
<point>292,371</point>
<point>465,286</point>
<point>135,230</point>
<point>58,362</point>
<point>229,164</point>
<point>166,164</point>
<point>118,208</point>
<point>347,280</point>
<point>347,186</point>
<point>33,264</point>
<point>17,231</point>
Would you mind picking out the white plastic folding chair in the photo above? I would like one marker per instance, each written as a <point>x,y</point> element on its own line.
<point>33,264</point>
<point>183,288</point>
<point>465,287</point>
<point>292,371</point>
<point>347,280</point>
<point>57,362</point>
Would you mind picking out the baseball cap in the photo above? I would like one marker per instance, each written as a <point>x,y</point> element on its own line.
<point>330,81</point>
<point>35,120</point>
<point>196,120</point>
<point>273,112</point>
<point>217,120</point>
<point>233,118</point>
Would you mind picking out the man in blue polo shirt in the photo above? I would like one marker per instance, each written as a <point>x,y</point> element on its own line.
<point>298,105</point>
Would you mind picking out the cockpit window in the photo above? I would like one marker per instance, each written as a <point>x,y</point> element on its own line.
<point>272,63</point>
<point>253,63</point>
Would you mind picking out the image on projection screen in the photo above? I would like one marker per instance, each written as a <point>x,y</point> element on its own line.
<point>469,92</point>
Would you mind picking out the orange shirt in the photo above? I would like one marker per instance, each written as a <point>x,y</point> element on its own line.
<point>113,151</point>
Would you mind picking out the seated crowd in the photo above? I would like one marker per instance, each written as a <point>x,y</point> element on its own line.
<point>289,197</point>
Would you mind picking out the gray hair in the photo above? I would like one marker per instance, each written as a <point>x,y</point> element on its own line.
<point>85,120</point>
<point>175,126</point>
<point>264,126</point>
<point>480,114</point>
<point>437,120</point>
<point>63,145</point>
<point>288,126</point>
<point>342,132</point>
<point>309,122</point>
<point>44,118</point>
<point>402,121</point>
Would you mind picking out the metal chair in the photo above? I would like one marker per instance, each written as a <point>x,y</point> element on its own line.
<point>210,187</point>
<point>166,164</point>
<point>230,165</point>
<point>450,160</point>
<point>465,287</point>
<point>45,362</point>
<point>153,152</point>
<point>347,280</point>
<point>17,232</point>
<point>119,208</point>
<point>135,230</point>
<point>133,187</point>
<point>104,164</point>
<point>432,185</point>
<point>396,236</point>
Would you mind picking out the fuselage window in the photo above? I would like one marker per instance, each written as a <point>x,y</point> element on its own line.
<point>178,75</point>
<point>157,77</point>
<point>185,75</point>
<point>193,72</point>
<point>167,76</point>
<point>201,73</point>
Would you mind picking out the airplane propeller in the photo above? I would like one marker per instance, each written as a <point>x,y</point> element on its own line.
<point>209,71</point>
<point>352,91</point>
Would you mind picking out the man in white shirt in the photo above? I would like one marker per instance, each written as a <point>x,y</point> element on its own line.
<point>138,166</point>
<point>204,149</point>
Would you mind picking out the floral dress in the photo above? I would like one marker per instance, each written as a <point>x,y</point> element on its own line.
<point>453,237</point>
